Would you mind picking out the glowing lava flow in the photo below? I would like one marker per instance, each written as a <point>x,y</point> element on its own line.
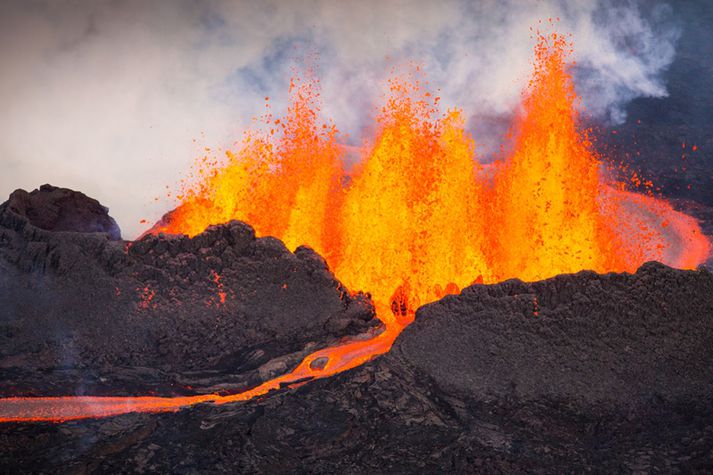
<point>417,219</point>
<point>319,364</point>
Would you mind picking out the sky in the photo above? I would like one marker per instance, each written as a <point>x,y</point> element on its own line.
<point>118,98</point>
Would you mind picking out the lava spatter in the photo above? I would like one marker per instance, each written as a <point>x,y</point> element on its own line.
<point>416,220</point>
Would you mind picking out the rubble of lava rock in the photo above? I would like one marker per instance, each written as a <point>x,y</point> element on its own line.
<point>83,312</point>
<point>575,373</point>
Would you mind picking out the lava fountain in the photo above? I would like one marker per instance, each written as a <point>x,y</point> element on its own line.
<point>418,218</point>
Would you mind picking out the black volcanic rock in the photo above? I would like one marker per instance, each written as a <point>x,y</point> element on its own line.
<point>615,339</point>
<point>585,372</point>
<point>60,209</point>
<point>81,312</point>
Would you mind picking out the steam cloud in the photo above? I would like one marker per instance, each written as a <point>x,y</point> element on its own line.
<point>107,97</point>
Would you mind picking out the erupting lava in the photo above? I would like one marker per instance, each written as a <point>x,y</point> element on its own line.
<point>419,218</point>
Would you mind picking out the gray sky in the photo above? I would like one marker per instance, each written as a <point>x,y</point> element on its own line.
<point>116,99</point>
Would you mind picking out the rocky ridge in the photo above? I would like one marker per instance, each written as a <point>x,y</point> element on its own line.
<point>91,313</point>
<point>584,372</point>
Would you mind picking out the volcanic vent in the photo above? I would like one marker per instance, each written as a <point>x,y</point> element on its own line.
<point>201,310</point>
<point>416,220</point>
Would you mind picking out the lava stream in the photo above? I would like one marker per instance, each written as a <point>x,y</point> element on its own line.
<point>338,358</point>
<point>418,219</point>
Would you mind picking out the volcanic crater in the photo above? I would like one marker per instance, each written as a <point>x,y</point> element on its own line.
<point>576,371</point>
<point>514,320</point>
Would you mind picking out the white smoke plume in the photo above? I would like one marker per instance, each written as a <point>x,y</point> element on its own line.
<point>108,96</point>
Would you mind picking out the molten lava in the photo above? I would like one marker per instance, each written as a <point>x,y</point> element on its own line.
<point>419,218</point>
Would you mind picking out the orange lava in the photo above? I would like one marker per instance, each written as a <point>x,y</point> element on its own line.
<point>320,364</point>
<point>419,218</point>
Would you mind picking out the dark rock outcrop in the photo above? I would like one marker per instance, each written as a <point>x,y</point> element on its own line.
<point>605,373</point>
<point>60,209</point>
<point>82,312</point>
<point>614,339</point>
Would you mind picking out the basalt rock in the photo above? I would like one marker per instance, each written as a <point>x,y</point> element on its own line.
<point>613,339</point>
<point>585,372</point>
<point>84,312</point>
<point>60,209</point>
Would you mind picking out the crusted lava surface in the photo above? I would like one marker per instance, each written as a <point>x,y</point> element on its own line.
<point>579,372</point>
<point>83,312</point>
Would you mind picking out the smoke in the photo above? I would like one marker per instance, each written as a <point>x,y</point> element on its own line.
<point>108,97</point>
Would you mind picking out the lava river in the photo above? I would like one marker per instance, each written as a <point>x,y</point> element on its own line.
<point>418,218</point>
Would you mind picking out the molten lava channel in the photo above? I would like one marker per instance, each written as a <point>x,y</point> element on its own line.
<point>418,218</point>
